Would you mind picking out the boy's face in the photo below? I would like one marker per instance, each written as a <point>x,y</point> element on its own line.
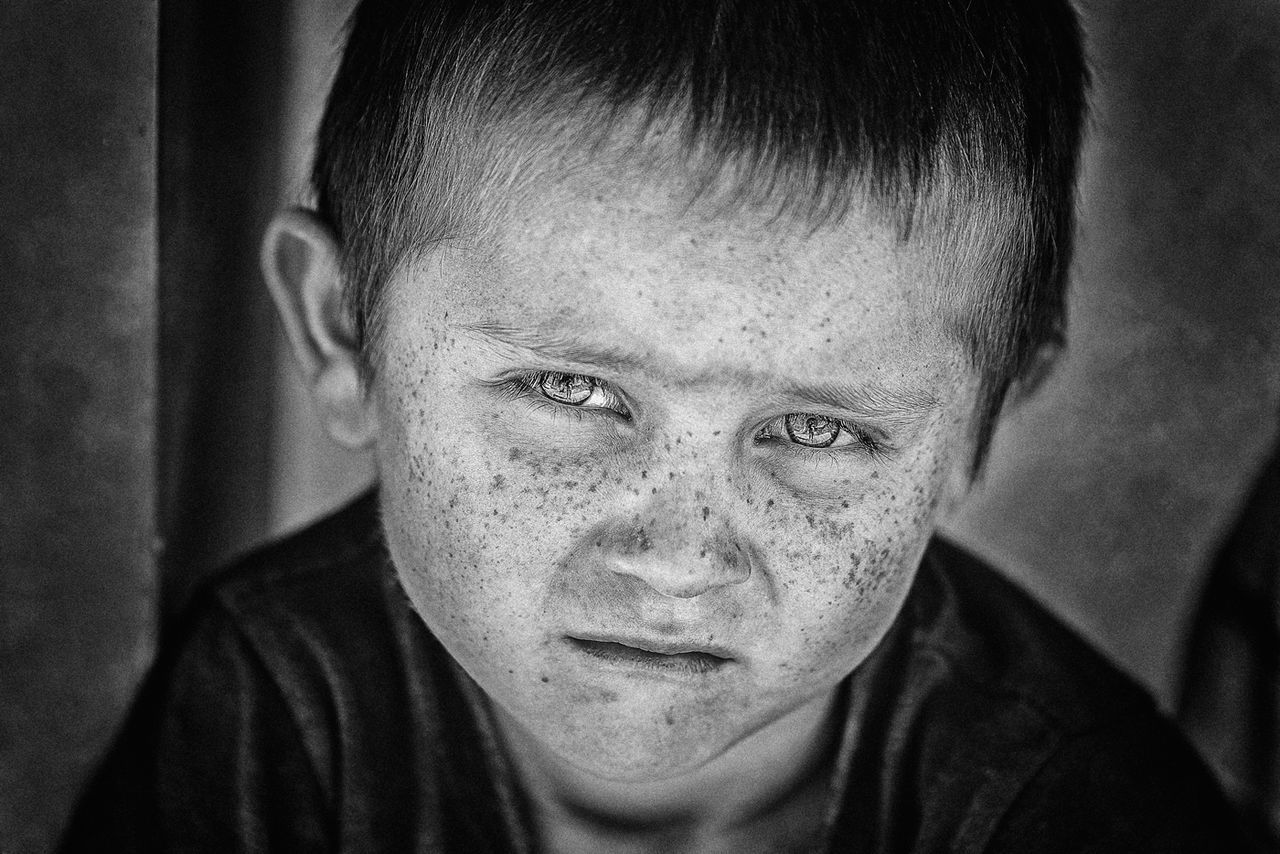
<point>592,489</point>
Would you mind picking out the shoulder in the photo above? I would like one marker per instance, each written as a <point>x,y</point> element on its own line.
<point>998,640</point>
<point>1089,762</point>
<point>319,617</point>
<point>317,608</point>
<point>270,707</point>
<point>306,573</point>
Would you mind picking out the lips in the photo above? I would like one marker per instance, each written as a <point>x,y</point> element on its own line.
<point>654,654</point>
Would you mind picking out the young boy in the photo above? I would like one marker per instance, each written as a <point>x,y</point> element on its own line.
<point>676,327</point>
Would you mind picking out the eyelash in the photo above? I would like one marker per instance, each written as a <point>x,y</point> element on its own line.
<point>524,388</point>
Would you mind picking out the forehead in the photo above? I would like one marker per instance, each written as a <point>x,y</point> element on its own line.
<point>616,255</point>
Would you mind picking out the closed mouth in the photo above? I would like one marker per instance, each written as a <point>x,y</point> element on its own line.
<point>660,656</point>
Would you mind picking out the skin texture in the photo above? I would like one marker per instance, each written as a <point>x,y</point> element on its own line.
<point>671,506</point>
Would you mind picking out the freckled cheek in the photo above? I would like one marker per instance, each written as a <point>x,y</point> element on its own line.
<point>843,576</point>
<point>492,502</point>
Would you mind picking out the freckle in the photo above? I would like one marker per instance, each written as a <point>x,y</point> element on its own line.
<point>670,475</point>
<point>644,475</point>
<point>769,503</point>
<point>844,504</point>
<point>706,511</point>
<point>515,454</point>
<point>545,679</point>
<point>670,718</point>
<point>653,491</point>
<point>875,475</point>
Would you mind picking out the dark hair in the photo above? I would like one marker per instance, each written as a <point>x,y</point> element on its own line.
<point>963,115</point>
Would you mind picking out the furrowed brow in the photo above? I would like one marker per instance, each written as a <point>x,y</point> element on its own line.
<point>869,399</point>
<point>859,398</point>
<point>560,348</point>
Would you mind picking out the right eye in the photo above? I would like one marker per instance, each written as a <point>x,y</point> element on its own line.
<point>578,392</point>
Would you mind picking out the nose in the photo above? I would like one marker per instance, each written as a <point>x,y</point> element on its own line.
<point>681,553</point>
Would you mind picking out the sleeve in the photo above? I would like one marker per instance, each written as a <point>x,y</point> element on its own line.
<point>210,759</point>
<point>1117,792</point>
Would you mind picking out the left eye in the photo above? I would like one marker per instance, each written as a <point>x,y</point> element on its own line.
<point>815,431</point>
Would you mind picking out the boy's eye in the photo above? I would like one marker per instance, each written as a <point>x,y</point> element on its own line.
<point>575,390</point>
<point>821,432</point>
<point>812,431</point>
<point>571,389</point>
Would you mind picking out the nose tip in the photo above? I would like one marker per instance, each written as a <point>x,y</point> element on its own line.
<point>682,573</point>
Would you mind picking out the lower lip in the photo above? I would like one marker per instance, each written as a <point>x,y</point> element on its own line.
<point>618,654</point>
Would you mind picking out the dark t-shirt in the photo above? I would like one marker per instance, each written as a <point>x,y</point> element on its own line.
<point>306,707</point>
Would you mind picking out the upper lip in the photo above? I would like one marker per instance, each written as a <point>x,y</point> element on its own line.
<point>661,646</point>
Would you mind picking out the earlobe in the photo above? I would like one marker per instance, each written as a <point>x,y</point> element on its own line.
<point>301,265</point>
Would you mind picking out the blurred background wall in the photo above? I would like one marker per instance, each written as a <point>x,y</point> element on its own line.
<point>78,326</point>
<point>150,398</point>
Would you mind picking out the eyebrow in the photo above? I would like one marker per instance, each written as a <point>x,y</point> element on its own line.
<point>864,398</point>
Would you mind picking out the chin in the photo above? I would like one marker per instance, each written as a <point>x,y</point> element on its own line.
<point>641,762</point>
<point>649,745</point>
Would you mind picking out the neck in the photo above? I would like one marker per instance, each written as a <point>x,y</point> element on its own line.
<point>777,777</point>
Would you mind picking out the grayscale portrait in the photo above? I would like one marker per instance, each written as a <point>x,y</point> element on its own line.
<point>669,426</point>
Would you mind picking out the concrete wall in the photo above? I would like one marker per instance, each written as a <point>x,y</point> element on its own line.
<point>77,392</point>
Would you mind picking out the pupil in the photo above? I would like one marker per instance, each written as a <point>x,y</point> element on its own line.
<point>812,431</point>
<point>567,388</point>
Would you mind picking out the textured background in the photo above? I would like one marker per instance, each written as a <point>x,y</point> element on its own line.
<point>77,392</point>
<point>128,395</point>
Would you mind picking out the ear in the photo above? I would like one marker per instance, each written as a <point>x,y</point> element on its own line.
<point>1042,365</point>
<point>300,263</point>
